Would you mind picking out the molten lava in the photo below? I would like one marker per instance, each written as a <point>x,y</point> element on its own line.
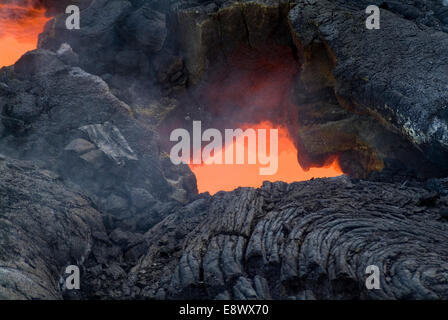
<point>20,25</point>
<point>254,91</point>
<point>227,177</point>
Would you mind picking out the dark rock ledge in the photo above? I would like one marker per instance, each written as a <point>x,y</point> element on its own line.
<point>397,75</point>
<point>309,240</point>
<point>44,227</point>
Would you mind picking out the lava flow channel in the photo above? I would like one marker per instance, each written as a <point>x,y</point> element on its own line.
<point>20,24</point>
<point>226,177</point>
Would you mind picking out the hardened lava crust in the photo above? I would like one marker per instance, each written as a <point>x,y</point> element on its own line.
<point>86,178</point>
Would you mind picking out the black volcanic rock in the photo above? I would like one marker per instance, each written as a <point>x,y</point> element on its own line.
<point>395,105</point>
<point>280,241</point>
<point>70,121</point>
<point>110,30</point>
<point>38,61</point>
<point>44,227</point>
<point>147,26</point>
<point>396,74</point>
<point>308,240</point>
<point>86,182</point>
<point>96,38</point>
<point>59,6</point>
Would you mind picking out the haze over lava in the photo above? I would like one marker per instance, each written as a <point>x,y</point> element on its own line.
<point>254,91</point>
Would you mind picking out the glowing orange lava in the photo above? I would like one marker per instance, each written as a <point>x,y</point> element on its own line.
<point>19,30</point>
<point>246,92</point>
<point>226,177</point>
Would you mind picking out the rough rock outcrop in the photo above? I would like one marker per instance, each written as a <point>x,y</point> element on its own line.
<point>72,123</point>
<point>59,6</point>
<point>280,241</point>
<point>308,240</point>
<point>396,75</point>
<point>44,227</point>
<point>116,39</point>
<point>85,111</point>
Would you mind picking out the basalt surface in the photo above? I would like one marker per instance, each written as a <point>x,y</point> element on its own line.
<point>68,121</point>
<point>44,227</point>
<point>309,240</point>
<point>395,75</point>
<point>81,119</point>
